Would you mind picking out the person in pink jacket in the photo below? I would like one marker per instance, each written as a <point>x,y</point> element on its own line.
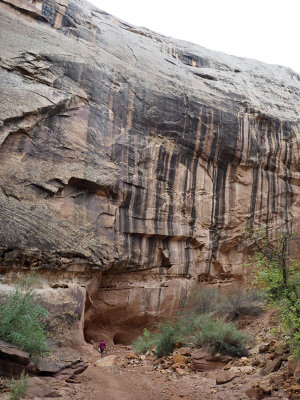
<point>102,347</point>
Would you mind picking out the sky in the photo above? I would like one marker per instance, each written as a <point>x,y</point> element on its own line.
<point>267,30</point>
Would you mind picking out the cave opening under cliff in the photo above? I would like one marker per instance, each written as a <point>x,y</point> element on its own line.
<point>118,311</point>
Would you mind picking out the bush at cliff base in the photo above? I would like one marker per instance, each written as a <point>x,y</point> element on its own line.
<point>222,337</point>
<point>169,333</point>
<point>143,343</point>
<point>22,320</point>
<point>200,325</point>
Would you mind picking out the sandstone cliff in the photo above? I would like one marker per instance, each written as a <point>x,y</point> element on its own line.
<point>130,161</point>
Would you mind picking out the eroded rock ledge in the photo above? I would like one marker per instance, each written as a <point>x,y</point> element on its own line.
<point>131,154</point>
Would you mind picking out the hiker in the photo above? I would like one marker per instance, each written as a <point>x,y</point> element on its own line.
<point>102,347</point>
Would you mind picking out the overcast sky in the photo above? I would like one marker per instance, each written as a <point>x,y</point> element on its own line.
<point>267,30</point>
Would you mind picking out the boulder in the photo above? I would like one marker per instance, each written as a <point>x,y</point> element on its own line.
<point>279,348</point>
<point>184,351</point>
<point>179,359</point>
<point>40,387</point>
<point>292,365</point>
<point>247,369</point>
<point>224,377</point>
<point>131,356</point>
<point>276,381</point>
<point>272,366</point>
<point>264,347</point>
<point>62,363</point>
<point>13,360</point>
<point>258,361</point>
<point>70,372</point>
<point>180,371</point>
<point>245,360</point>
<point>294,368</point>
<point>266,387</point>
<point>228,365</point>
<point>204,361</point>
<point>254,393</point>
<point>175,366</point>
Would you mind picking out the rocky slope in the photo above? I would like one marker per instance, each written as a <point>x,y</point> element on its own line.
<point>130,161</point>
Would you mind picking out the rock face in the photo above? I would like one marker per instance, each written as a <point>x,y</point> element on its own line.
<point>13,360</point>
<point>131,161</point>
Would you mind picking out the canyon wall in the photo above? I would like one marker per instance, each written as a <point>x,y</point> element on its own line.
<point>130,162</point>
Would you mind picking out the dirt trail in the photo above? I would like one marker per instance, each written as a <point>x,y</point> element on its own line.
<point>117,383</point>
<point>143,383</point>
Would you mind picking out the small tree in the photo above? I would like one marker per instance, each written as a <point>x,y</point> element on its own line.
<point>277,273</point>
<point>22,319</point>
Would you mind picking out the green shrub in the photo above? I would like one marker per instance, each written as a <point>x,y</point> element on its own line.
<point>22,320</point>
<point>17,387</point>
<point>221,337</point>
<point>169,333</point>
<point>143,343</point>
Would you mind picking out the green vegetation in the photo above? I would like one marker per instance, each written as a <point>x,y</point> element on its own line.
<point>277,274</point>
<point>18,387</point>
<point>143,343</point>
<point>200,325</point>
<point>222,337</point>
<point>22,319</point>
<point>169,333</point>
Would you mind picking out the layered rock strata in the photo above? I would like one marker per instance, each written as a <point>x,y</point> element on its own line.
<point>132,161</point>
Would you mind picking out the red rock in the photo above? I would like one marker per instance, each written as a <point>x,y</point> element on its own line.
<point>224,377</point>
<point>204,361</point>
<point>272,366</point>
<point>279,348</point>
<point>255,393</point>
<point>40,387</point>
<point>13,360</point>
<point>266,388</point>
